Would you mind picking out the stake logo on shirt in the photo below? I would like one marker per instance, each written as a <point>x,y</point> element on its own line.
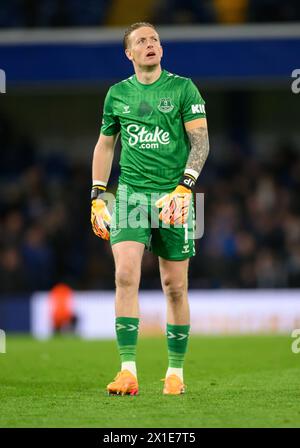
<point>147,139</point>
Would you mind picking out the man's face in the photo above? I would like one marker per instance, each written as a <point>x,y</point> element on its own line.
<point>144,47</point>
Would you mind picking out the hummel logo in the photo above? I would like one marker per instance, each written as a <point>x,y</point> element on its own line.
<point>126,109</point>
<point>185,249</point>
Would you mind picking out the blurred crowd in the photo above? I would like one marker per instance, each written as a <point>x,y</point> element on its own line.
<point>52,13</point>
<point>44,209</point>
<point>252,222</point>
<point>226,11</point>
<point>72,13</point>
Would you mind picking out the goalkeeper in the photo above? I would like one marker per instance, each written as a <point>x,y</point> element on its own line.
<point>161,119</point>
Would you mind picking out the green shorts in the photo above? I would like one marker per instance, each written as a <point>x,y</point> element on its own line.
<point>135,218</point>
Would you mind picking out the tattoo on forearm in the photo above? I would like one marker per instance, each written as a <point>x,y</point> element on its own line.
<point>199,148</point>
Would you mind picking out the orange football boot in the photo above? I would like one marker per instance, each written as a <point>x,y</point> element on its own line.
<point>173,385</point>
<point>125,383</point>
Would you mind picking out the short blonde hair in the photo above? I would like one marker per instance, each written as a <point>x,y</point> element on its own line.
<point>134,27</point>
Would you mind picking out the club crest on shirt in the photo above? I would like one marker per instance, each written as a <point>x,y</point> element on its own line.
<point>165,105</point>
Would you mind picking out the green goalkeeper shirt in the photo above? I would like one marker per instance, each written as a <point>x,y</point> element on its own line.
<point>151,117</point>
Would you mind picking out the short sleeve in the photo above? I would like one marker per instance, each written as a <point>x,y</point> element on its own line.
<point>110,122</point>
<point>192,103</point>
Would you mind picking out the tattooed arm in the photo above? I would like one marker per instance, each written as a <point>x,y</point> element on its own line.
<point>175,205</point>
<point>198,136</point>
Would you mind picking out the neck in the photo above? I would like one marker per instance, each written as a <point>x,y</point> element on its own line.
<point>148,76</point>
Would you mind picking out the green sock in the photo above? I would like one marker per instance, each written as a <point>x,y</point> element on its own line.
<point>127,332</point>
<point>177,336</point>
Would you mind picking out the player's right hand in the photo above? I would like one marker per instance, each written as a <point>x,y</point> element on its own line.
<point>100,219</point>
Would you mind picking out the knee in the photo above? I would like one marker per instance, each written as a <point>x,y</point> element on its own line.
<point>175,290</point>
<point>126,277</point>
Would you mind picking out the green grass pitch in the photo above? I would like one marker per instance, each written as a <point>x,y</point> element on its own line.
<point>232,381</point>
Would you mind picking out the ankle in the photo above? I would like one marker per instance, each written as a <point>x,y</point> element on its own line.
<point>175,371</point>
<point>129,365</point>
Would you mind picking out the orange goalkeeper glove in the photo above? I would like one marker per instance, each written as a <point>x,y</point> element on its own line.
<point>100,216</point>
<point>175,206</point>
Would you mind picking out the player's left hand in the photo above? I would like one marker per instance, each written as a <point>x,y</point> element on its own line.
<point>175,206</point>
<point>100,219</point>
